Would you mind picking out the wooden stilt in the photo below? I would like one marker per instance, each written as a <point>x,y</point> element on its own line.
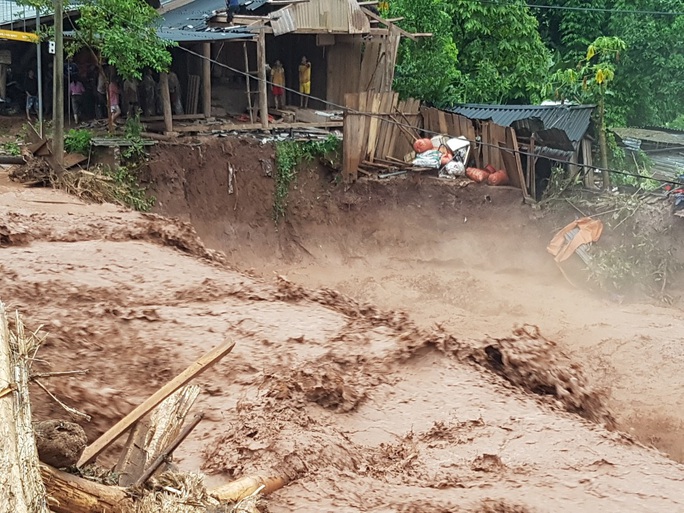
<point>206,79</point>
<point>263,86</point>
<point>166,102</point>
<point>249,85</point>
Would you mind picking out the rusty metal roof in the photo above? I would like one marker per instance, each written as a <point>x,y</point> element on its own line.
<point>574,120</point>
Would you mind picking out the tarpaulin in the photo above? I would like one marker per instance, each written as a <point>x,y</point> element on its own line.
<point>589,231</point>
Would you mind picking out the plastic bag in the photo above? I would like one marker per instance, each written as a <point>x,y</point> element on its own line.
<point>422,145</point>
<point>490,169</point>
<point>429,159</point>
<point>477,175</point>
<point>452,170</point>
<point>498,178</point>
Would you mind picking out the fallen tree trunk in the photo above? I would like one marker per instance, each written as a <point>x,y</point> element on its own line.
<point>21,488</point>
<point>245,486</point>
<point>72,494</point>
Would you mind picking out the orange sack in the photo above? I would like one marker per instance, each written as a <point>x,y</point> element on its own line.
<point>490,169</point>
<point>422,145</point>
<point>477,175</point>
<point>498,178</point>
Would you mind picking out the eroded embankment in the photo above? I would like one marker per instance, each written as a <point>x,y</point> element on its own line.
<point>472,259</point>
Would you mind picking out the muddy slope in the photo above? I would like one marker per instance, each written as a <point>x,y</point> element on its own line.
<point>471,259</point>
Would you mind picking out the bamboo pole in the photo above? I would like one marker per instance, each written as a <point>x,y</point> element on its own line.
<point>21,487</point>
<point>249,86</point>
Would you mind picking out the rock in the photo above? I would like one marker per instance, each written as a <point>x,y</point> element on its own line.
<point>60,442</point>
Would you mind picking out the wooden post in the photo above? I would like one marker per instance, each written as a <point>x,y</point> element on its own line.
<point>72,494</point>
<point>532,170</point>
<point>58,79</point>
<point>3,81</point>
<point>194,370</point>
<point>263,86</point>
<point>166,102</point>
<point>21,487</point>
<point>206,79</point>
<point>249,85</point>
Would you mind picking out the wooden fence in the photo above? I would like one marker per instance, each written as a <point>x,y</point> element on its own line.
<point>380,130</point>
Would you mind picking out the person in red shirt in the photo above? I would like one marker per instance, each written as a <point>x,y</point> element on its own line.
<point>76,91</point>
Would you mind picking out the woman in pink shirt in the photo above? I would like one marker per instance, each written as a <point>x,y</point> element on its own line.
<point>114,100</point>
<point>76,91</point>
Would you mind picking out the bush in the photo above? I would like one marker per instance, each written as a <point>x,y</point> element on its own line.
<point>78,141</point>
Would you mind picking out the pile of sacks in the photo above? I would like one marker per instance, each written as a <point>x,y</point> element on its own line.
<point>488,175</point>
<point>447,155</point>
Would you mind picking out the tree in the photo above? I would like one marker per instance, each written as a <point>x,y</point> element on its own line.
<point>427,69</point>
<point>502,58</point>
<point>589,83</point>
<point>121,33</point>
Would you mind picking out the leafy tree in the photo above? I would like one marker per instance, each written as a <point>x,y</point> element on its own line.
<point>121,33</point>
<point>650,87</point>
<point>589,83</point>
<point>502,57</point>
<point>427,68</point>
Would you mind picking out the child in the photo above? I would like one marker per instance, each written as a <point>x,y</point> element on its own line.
<point>304,82</point>
<point>76,91</point>
<point>278,80</point>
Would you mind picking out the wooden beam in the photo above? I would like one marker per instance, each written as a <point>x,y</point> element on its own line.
<point>206,79</point>
<point>21,487</point>
<point>198,367</point>
<point>249,127</point>
<point>166,102</point>
<point>68,493</point>
<point>177,117</point>
<point>245,486</point>
<point>382,20</point>
<point>263,86</point>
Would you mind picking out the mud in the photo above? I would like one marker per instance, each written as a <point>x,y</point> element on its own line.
<point>365,407</point>
<point>472,260</point>
<point>60,443</point>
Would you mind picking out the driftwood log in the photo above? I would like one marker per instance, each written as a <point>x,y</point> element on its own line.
<point>21,488</point>
<point>72,494</point>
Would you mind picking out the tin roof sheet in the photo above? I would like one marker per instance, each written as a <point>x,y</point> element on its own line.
<point>574,120</point>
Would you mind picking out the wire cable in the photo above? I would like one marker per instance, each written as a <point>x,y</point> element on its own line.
<point>583,9</point>
<point>410,127</point>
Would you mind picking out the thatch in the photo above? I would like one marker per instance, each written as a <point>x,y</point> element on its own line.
<point>179,492</point>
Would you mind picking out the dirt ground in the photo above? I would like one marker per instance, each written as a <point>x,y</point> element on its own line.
<point>367,408</point>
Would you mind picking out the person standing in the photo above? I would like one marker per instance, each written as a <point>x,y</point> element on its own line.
<point>175,93</point>
<point>304,83</point>
<point>232,8</point>
<point>148,93</point>
<point>278,81</point>
<point>114,105</point>
<point>76,91</point>
<point>130,89</point>
<point>31,88</point>
<point>101,101</point>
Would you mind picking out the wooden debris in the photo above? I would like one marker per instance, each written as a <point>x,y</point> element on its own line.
<point>72,494</point>
<point>166,453</point>
<point>21,487</point>
<point>194,370</point>
<point>245,486</point>
<point>151,437</point>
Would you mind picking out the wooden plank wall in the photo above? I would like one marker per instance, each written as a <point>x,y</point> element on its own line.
<point>374,129</point>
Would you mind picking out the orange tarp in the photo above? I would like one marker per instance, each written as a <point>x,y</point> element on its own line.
<point>589,231</point>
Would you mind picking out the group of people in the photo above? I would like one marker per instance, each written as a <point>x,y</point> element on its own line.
<point>278,83</point>
<point>108,94</point>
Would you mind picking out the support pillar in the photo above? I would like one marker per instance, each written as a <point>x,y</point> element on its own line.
<point>263,86</point>
<point>166,102</point>
<point>206,79</point>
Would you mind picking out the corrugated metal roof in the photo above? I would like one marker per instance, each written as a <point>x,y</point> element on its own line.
<point>652,136</point>
<point>12,12</point>
<point>574,120</point>
<point>188,23</point>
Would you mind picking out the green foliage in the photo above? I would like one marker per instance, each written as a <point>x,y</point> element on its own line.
<point>427,69</point>
<point>289,155</point>
<point>78,141</point>
<point>677,123</point>
<point>11,148</point>
<point>133,130</point>
<point>636,262</point>
<point>127,190</point>
<point>501,56</point>
<point>121,33</point>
